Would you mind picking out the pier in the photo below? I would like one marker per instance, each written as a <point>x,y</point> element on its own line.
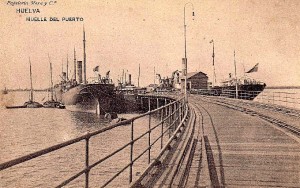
<point>208,142</point>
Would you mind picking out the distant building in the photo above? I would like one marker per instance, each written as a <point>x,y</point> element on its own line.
<point>151,87</point>
<point>195,80</point>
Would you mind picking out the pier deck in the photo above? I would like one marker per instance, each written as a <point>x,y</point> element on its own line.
<point>236,145</point>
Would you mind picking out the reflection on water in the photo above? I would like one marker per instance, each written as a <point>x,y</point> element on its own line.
<point>24,131</point>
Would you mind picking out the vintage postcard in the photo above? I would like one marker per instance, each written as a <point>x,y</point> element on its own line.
<point>149,93</point>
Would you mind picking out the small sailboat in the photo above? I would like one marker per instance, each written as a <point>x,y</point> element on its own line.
<point>30,103</point>
<point>52,103</point>
<point>5,91</point>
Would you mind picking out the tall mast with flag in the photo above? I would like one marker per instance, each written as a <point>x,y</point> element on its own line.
<point>253,69</point>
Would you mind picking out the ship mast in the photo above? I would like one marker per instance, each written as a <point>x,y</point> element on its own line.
<point>236,81</point>
<point>31,88</point>
<point>67,67</point>
<point>74,64</point>
<point>84,58</point>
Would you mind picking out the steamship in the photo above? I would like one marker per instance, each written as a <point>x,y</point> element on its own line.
<point>87,95</point>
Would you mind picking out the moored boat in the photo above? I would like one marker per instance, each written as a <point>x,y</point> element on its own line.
<point>52,103</point>
<point>31,103</point>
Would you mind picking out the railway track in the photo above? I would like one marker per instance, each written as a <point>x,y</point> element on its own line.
<point>240,107</point>
<point>217,178</point>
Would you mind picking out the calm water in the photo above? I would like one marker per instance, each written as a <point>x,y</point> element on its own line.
<point>24,131</point>
<point>284,97</point>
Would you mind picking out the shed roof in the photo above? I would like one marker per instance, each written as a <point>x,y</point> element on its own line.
<point>191,74</point>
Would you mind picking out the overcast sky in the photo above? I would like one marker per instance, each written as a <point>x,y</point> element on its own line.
<point>125,33</point>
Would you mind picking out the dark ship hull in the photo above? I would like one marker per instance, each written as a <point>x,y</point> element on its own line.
<point>88,96</point>
<point>247,92</point>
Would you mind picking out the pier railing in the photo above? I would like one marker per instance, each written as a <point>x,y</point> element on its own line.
<point>171,117</point>
<point>286,99</point>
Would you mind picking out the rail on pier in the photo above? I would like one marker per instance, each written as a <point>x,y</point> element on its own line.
<point>171,118</point>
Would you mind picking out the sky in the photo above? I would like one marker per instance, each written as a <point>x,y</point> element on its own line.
<point>121,34</point>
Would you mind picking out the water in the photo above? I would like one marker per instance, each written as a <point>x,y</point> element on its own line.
<point>284,97</point>
<point>24,131</point>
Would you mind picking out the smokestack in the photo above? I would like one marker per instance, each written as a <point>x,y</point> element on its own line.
<point>184,72</point>
<point>79,71</point>
<point>84,58</point>
<point>129,79</point>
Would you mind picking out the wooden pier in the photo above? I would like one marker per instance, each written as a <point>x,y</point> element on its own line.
<point>233,143</point>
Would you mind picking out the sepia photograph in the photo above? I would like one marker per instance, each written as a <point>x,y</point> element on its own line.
<point>149,93</point>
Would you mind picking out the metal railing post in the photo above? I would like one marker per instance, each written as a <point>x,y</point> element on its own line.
<point>87,162</point>
<point>175,118</point>
<point>131,154</point>
<point>169,119</point>
<point>180,112</point>
<point>162,128</point>
<point>149,140</point>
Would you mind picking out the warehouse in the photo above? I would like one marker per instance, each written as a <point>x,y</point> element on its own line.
<point>195,80</point>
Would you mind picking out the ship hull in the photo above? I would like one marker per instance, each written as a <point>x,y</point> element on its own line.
<point>247,92</point>
<point>88,96</point>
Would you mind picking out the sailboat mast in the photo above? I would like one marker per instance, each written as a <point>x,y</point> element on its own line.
<point>236,81</point>
<point>31,88</point>
<point>84,58</point>
<point>51,80</point>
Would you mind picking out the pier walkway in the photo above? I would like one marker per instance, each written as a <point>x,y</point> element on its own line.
<point>207,142</point>
<point>233,143</point>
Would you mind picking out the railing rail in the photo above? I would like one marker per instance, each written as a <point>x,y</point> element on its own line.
<point>171,116</point>
<point>287,99</point>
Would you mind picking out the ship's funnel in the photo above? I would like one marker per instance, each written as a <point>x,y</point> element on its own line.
<point>129,79</point>
<point>79,71</point>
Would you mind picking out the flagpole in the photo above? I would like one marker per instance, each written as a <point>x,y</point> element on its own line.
<point>213,56</point>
